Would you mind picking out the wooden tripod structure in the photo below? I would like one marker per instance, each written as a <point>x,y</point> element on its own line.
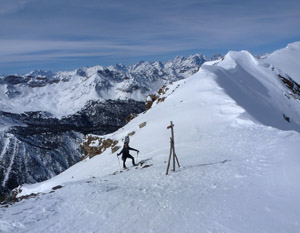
<point>172,149</point>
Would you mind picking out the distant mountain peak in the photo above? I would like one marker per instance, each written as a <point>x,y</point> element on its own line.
<point>42,73</point>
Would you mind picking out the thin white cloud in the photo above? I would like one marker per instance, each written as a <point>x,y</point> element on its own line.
<point>43,50</point>
<point>9,6</point>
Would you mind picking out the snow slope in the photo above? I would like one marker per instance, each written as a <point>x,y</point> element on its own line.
<point>287,59</point>
<point>239,164</point>
<point>257,88</point>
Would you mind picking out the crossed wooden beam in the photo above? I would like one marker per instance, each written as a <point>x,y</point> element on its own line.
<point>172,149</point>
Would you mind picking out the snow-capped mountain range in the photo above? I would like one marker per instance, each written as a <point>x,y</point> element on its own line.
<point>237,133</point>
<point>65,93</point>
<point>44,115</point>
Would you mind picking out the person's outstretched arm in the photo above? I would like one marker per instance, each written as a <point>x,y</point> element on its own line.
<point>133,149</point>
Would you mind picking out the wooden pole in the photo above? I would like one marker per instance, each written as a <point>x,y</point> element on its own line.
<point>173,155</point>
<point>172,149</point>
<point>172,142</point>
<point>169,157</point>
<point>177,159</point>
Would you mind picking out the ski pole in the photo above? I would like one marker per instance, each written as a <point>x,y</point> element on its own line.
<point>119,162</point>
<point>137,157</point>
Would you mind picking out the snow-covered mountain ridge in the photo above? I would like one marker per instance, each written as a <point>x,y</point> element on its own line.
<point>237,140</point>
<point>65,93</point>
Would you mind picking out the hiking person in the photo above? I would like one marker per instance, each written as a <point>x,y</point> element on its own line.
<point>125,154</point>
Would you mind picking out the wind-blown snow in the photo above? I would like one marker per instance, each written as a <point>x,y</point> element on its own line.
<point>239,161</point>
<point>240,74</point>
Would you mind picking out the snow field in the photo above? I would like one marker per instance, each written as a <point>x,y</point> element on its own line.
<point>232,183</point>
<point>239,169</point>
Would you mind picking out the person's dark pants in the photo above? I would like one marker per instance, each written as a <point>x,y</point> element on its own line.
<point>124,160</point>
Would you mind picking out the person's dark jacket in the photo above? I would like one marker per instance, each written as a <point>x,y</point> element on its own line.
<point>125,151</point>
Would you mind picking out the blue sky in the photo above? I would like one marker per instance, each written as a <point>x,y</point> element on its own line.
<point>68,34</point>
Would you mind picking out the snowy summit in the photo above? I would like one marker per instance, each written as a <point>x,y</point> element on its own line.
<point>237,134</point>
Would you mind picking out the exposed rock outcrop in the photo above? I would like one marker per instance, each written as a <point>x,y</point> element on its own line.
<point>94,145</point>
